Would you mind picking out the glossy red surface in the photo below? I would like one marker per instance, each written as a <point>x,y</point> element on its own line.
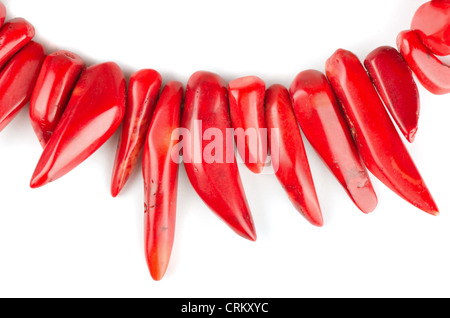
<point>17,80</point>
<point>431,72</point>
<point>378,141</point>
<point>143,93</point>
<point>160,173</point>
<point>52,91</point>
<point>324,125</point>
<point>94,112</point>
<point>288,154</point>
<point>432,23</point>
<point>14,34</point>
<point>217,181</point>
<point>395,83</point>
<point>246,97</point>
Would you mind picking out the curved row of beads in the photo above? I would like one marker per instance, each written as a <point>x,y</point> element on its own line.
<point>75,109</point>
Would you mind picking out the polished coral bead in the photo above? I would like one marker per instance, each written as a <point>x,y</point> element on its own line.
<point>432,23</point>
<point>93,114</point>
<point>160,172</point>
<point>288,155</point>
<point>324,125</point>
<point>378,141</point>
<point>52,91</point>
<point>210,164</point>
<point>246,95</point>
<point>17,81</point>
<point>143,92</point>
<point>395,83</point>
<point>432,73</point>
<point>14,34</point>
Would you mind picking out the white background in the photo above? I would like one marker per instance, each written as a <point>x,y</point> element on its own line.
<point>72,239</point>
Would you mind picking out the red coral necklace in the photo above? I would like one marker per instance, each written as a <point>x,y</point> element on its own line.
<point>350,114</point>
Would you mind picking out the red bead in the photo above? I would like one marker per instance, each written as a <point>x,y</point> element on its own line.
<point>323,124</point>
<point>378,141</point>
<point>160,172</point>
<point>432,23</point>
<point>14,35</point>
<point>395,83</point>
<point>246,96</point>
<point>55,83</point>
<point>288,154</point>
<point>211,166</point>
<point>143,93</point>
<point>17,81</point>
<point>93,114</point>
<point>432,73</point>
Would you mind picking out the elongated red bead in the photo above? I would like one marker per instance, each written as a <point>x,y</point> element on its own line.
<point>17,80</point>
<point>143,91</point>
<point>246,96</point>
<point>52,91</point>
<point>378,141</point>
<point>431,72</point>
<point>210,165</point>
<point>288,154</point>
<point>324,125</point>
<point>94,112</point>
<point>14,34</point>
<point>160,171</point>
<point>395,83</point>
<point>432,23</point>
